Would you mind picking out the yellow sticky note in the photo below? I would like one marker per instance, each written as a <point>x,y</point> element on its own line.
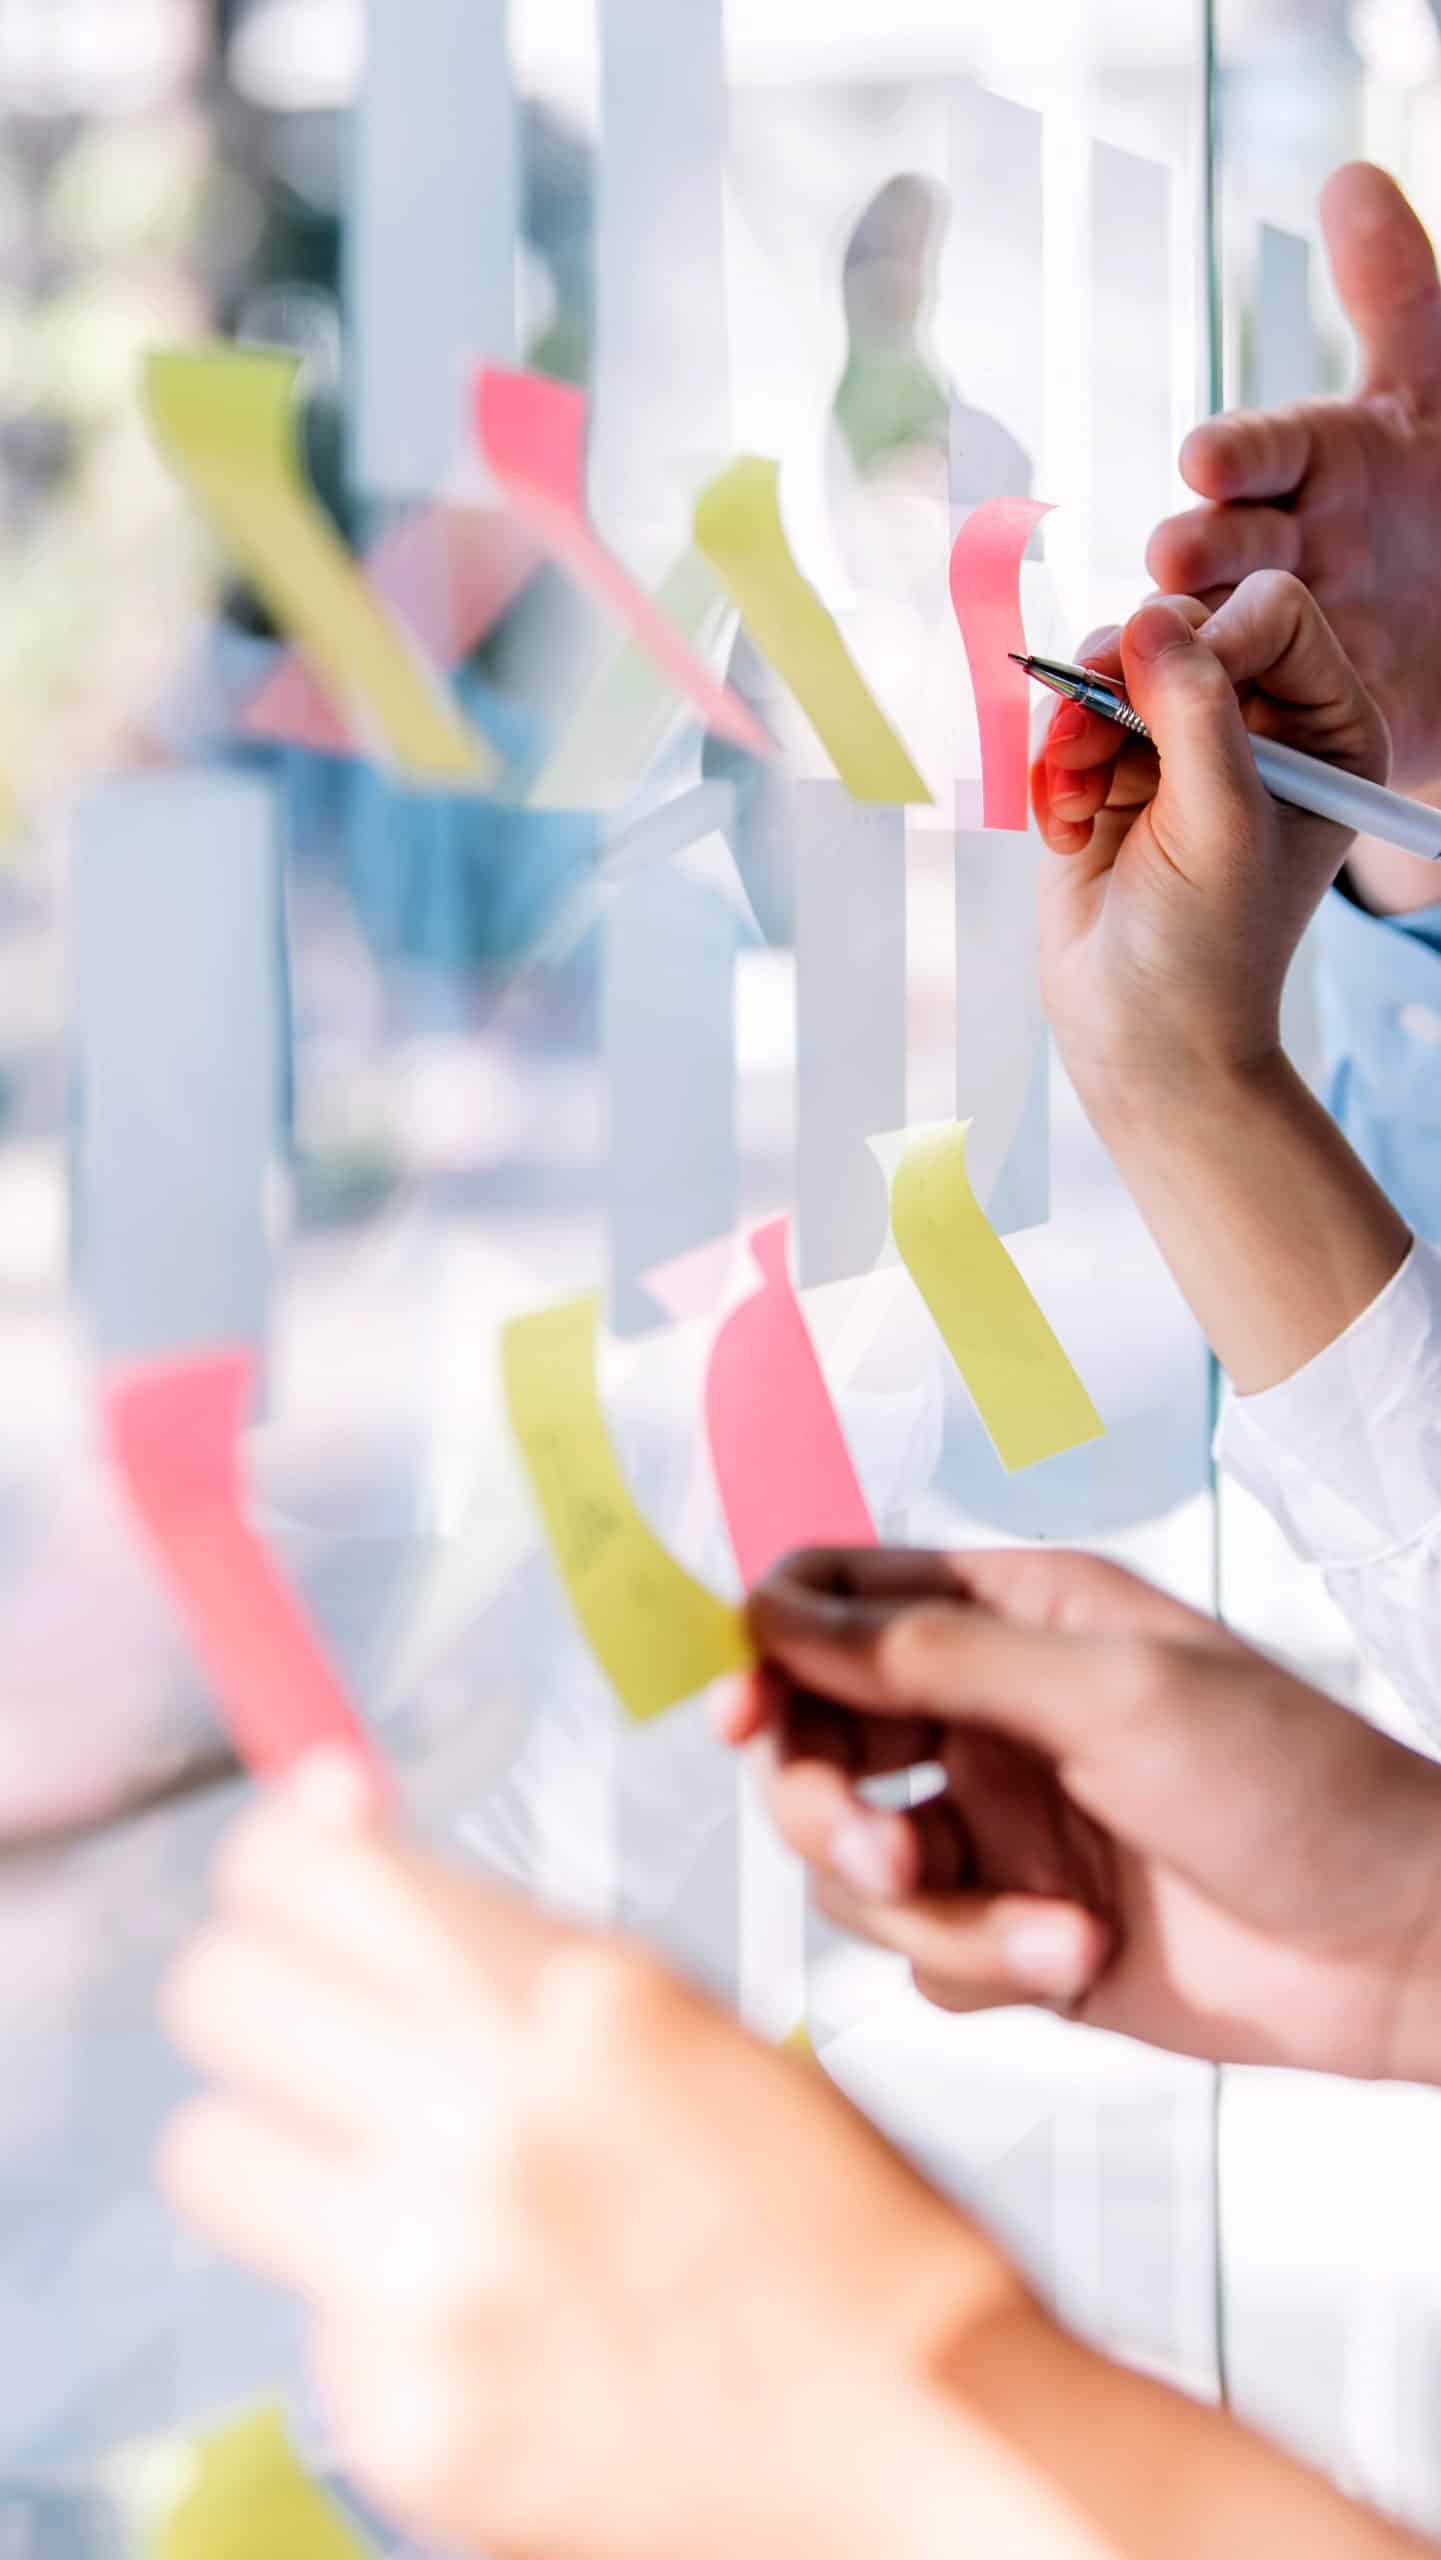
<point>799,2043</point>
<point>247,2496</point>
<point>226,420</point>
<point>657,1633</point>
<point>1021,1382</point>
<point>738,527</point>
<point>625,716</point>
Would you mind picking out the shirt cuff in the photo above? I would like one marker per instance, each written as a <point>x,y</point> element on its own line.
<point>1346,1455</point>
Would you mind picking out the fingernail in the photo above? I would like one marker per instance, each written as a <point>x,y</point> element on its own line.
<point>1158,629</point>
<point>862,1856</point>
<point>1069,722</point>
<point>331,1787</point>
<point>1051,1951</point>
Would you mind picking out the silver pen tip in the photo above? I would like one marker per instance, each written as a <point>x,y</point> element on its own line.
<point>1017,660</point>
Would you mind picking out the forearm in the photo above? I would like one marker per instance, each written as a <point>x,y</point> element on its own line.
<point>1127,2469</point>
<point>1277,1236</point>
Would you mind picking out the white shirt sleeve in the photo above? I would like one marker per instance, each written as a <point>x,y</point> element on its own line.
<point>1346,1456</point>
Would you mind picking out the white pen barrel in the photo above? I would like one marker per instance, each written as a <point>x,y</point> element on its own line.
<point>1352,802</point>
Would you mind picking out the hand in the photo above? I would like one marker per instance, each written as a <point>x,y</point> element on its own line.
<point>1169,924</point>
<point>1143,1824</point>
<point>1345,494</point>
<point>589,2272</point>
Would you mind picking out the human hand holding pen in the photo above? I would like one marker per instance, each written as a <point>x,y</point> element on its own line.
<point>1168,923</point>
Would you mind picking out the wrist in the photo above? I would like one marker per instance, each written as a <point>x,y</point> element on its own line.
<point>1202,1095</point>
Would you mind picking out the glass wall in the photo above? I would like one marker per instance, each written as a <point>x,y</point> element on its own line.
<point>1332,2288</point>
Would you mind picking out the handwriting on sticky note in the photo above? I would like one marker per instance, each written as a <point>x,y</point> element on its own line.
<point>450,574</point>
<point>738,527</point>
<point>173,1429</point>
<point>658,1634</point>
<point>246,2493</point>
<point>531,433</point>
<point>1019,1378</point>
<point>225,418</point>
<point>785,1474</point>
<point>986,597</point>
<point>625,716</point>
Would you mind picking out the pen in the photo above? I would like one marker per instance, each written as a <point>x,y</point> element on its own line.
<point>1302,781</point>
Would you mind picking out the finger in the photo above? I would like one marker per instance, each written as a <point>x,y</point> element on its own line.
<point>998,1947</point>
<point>873,1853</point>
<point>766,1700</point>
<point>1060,835</point>
<point>1272,633</point>
<point>810,1726</point>
<point>1078,740</point>
<point>317,2059</point>
<point>398,1920</point>
<point>1385,271</point>
<point>1219,546</point>
<point>823,1821</point>
<point>1251,454</point>
<point>260,2196</point>
<point>1187,701</point>
<point>1073,1594</point>
<point>333,1890</point>
<point>818,1617</point>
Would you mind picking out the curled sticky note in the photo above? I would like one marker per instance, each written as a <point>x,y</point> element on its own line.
<point>658,1634</point>
<point>625,716</point>
<point>785,1474</point>
<point>225,418</point>
<point>986,595</point>
<point>173,1429</point>
<point>1018,1376</point>
<point>738,527</point>
<point>532,432</point>
<point>245,2493</point>
<point>449,574</point>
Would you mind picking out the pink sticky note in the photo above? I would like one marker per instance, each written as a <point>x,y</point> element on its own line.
<point>449,574</point>
<point>786,1477</point>
<point>532,433</point>
<point>986,595</point>
<point>173,1432</point>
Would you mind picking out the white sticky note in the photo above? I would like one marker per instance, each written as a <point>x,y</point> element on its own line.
<point>432,234</point>
<point>175,968</point>
<point>1132,454</point>
<point>661,373</point>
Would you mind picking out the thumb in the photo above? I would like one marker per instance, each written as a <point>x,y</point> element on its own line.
<point>1385,272</point>
<point>1189,704</point>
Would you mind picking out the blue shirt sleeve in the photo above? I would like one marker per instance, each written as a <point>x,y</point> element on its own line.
<point>1380,1005</point>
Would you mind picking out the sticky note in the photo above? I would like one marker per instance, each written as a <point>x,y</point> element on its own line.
<point>247,2494</point>
<point>532,433</point>
<point>625,716</point>
<point>450,574</point>
<point>986,597</point>
<point>738,527</point>
<point>658,1634</point>
<point>849,874</point>
<point>226,420</point>
<point>785,1474</point>
<point>172,1429</point>
<point>1018,1376</point>
<point>799,2043</point>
